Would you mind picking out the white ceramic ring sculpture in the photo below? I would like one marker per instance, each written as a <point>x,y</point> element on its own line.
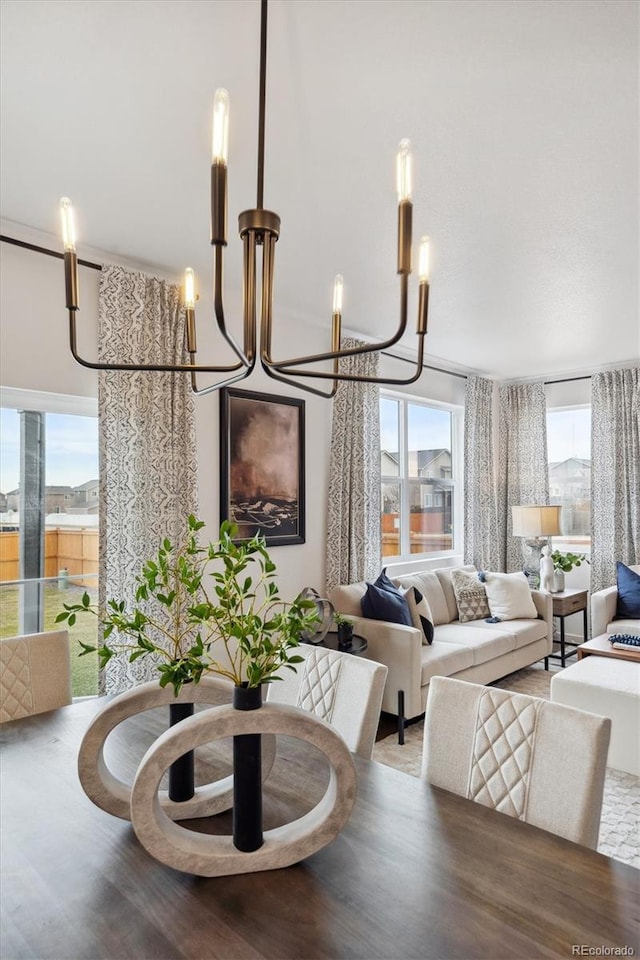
<point>215,856</point>
<point>114,795</point>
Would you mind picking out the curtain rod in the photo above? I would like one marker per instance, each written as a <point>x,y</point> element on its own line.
<point>586,376</point>
<point>425,366</point>
<point>47,252</point>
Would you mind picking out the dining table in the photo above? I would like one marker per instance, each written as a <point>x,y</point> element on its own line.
<point>417,872</point>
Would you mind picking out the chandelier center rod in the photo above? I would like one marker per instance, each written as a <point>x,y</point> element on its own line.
<point>262,102</point>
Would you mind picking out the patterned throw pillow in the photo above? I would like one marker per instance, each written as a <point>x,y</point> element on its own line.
<point>471,596</point>
<point>420,611</point>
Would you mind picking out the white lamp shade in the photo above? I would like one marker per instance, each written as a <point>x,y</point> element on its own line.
<point>536,521</point>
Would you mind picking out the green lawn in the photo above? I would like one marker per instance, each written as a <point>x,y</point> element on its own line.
<point>84,670</point>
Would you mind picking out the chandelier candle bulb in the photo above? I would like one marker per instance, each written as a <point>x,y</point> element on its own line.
<point>404,170</point>
<point>189,289</point>
<point>190,309</point>
<point>220,136</point>
<point>338,284</point>
<point>70,258</point>
<point>423,260</point>
<point>68,226</point>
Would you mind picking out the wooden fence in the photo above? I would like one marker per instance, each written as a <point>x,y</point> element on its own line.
<point>73,550</point>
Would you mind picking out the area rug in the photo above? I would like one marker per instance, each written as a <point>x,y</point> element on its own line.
<point>620,822</point>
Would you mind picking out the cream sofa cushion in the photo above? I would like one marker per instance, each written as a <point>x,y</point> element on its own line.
<point>347,598</point>
<point>444,576</point>
<point>443,659</point>
<point>484,644</point>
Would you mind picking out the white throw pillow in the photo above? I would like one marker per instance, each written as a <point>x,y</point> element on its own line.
<point>509,596</point>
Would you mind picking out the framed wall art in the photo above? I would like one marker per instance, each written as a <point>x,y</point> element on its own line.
<point>262,465</point>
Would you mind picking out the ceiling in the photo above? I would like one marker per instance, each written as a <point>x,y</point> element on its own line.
<point>523,115</point>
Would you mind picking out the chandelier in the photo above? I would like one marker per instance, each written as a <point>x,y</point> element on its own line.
<point>261,228</point>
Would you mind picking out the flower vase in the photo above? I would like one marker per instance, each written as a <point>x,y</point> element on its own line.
<point>181,771</point>
<point>558,581</point>
<point>247,776</point>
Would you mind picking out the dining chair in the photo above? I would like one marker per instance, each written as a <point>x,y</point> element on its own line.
<point>538,761</point>
<point>35,674</point>
<point>343,689</point>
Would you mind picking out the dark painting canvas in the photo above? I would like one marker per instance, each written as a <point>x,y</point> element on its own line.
<point>262,465</point>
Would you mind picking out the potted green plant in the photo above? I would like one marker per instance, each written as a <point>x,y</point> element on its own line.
<point>563,563</point>
<point>345,630</point>
<point>207,609</point>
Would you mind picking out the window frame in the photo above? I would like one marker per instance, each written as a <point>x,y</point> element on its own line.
<point>404,481</point>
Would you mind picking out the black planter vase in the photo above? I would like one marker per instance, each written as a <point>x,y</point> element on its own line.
<point>247,776</point>
<point>181,771</point>
<point>345,634</point>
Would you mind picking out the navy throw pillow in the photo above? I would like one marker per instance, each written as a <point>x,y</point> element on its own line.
<point>628,606</point>
<point>383,601</point>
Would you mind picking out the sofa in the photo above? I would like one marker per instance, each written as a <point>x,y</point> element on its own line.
<point>478,651</point>
<point>604,605</point>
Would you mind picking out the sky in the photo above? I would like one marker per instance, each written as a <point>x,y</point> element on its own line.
<point>71,445</point>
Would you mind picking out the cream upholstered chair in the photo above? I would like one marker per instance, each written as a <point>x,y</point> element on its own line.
<point>538,761</point>
<point>603,610</point>
<point>340,688</point>
<point>35,674</point>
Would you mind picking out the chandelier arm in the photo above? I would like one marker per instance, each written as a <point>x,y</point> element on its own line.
<point>284,365</point>
<point>219,308</point>
<point>203,391</point>
<point>268,253</point>
<point>327,394</point>
<point>355,378</point>
<point>157,367</point>
<point>72,295</point>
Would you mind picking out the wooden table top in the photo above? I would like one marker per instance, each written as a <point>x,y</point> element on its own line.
<point>601,647</point>
<point>416,873</point>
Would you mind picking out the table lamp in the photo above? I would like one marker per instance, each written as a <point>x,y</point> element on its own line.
<point>537,524</point>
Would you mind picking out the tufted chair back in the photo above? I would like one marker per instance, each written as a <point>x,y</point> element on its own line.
<point>534,760</point>
<point>35,674</point>
<point>340,688</point>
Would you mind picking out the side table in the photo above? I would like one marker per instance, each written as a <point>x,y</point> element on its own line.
<point>357,646</point>
<point>564,604</point>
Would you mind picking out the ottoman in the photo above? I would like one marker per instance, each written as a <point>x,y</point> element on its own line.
<point>609,688</point>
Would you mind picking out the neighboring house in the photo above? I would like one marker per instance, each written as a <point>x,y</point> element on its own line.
<point>3,503</point>
<point>62,499</point>
<point>570,486</point>
<point>86,497</point>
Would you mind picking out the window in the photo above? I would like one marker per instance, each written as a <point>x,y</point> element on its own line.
<point>48,531</point>
<point>419,466</point>
<point>569,453</point>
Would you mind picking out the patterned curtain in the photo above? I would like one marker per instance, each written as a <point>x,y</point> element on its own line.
<point>148,467</point>
<point>523,472</point>
<point>353,535</point>
<point>615,473</point>
<point>481,546</point>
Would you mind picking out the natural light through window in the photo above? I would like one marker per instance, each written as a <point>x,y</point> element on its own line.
<point>417,462</point>
<point>569,453</point>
